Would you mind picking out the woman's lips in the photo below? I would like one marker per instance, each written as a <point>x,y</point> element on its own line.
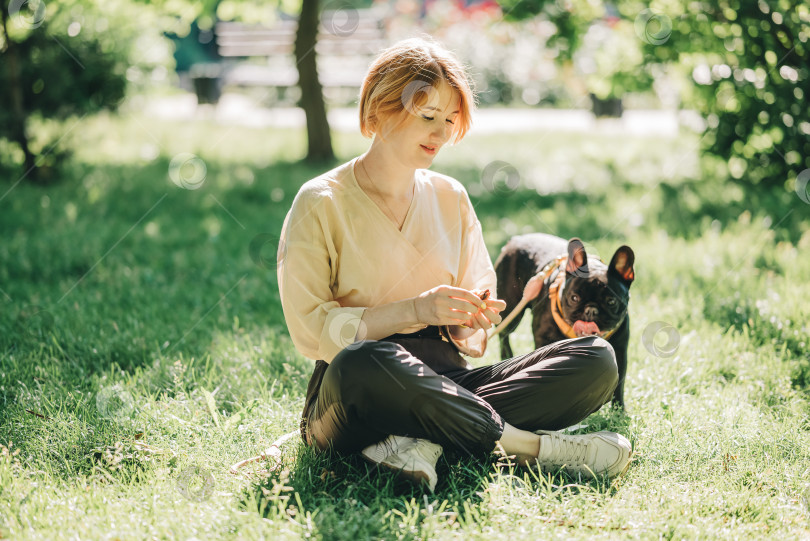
<point>429,150</point>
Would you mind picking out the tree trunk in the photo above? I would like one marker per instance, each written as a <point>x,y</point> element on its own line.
<point>18,116</point>
<point>319,140</point>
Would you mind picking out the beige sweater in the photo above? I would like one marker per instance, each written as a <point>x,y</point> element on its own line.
<point>339,253</point>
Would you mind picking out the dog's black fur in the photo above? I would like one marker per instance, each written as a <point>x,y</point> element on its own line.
<point>593,292</point>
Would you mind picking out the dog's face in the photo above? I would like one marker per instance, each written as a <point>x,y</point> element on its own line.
<point>595,295</point>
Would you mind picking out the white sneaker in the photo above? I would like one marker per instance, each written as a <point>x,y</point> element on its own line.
<point>415,459</point>
<point>600,453</point>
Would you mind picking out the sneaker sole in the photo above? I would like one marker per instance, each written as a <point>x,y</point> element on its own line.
<point>588,473</point>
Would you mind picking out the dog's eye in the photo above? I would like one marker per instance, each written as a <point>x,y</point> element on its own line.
<point>611,301</point>
<point>574,298</point>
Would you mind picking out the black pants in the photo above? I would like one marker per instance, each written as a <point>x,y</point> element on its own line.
<point>415,387</point>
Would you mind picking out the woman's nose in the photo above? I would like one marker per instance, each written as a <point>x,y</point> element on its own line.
<point>442,132</point>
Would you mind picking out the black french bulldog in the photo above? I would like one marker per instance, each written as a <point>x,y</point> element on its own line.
<point>593,300</point>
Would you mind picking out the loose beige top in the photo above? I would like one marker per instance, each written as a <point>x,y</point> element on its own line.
<point>339,254</point>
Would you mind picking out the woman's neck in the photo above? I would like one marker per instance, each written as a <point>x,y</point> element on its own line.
<point>390,178</point>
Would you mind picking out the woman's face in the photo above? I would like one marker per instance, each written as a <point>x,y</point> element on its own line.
<point>416,135</point>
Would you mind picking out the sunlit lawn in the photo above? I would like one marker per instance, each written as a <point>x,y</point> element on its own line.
<point>144,349</point>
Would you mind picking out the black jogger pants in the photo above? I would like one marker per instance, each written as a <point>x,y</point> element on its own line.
<point>414,387</point>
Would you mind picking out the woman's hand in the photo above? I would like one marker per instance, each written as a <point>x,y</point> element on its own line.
<point>488,313</point>
<point>446,305</point>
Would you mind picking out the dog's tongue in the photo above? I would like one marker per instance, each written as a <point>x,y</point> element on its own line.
<point>585,328</point>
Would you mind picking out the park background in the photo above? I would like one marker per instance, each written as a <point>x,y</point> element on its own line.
<point>142,344</point>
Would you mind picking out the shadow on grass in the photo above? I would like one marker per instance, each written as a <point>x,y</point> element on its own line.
<point>330,477</point>
<point>352,499</point>
<point>783,335</point>
<point>610,417</point>
<point>688,208</point>
<point>118,264</point>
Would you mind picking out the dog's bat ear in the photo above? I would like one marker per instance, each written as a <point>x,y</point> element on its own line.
<point>577,258</point>
<point>622,264</point>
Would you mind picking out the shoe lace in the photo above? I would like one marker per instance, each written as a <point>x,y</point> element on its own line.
<point>391,445</point>
<point>427,450</point>
<point>411,445</point>
<point>568,450</point>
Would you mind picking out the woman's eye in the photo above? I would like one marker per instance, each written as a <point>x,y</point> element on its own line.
<point>433,118</point>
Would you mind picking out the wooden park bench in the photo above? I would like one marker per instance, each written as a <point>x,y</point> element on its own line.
<point>261,56</point>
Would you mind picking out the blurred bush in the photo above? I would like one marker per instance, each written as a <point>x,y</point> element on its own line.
<point>743,65</point>
<point>56,83</point>
<point>612,60</point>
<point>747,65</point>
<point>70,58</point>
<point>510,62</point>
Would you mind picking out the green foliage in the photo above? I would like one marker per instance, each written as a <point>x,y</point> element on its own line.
<point>595,36</point>
<point>73,58</point>
<point>57,83</point>
<point>572,19</point>
<point>617,65</point>
<point>747,64</point>
<point>744,66</point>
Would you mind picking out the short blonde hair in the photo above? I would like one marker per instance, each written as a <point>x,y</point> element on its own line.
<point>402,76</point>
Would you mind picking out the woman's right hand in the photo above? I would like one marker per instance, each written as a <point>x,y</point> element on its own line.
<point>446,305</point>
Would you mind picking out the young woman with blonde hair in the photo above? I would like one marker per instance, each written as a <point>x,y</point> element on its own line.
<point>382,275</point>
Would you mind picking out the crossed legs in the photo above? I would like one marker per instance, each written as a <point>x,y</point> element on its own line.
<point>377,388</point>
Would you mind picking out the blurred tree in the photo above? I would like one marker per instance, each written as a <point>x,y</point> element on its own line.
<point>593,35</point>
<point>748,72</point>
<point>571,17</point>
<point>319,139</point>
<point>44,76</point>
<point>745,66</point>
<point>60,60</point>
<point>11,92</point>
<point>75,57</point>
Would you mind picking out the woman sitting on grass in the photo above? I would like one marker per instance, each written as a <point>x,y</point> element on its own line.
<point>382,273</point>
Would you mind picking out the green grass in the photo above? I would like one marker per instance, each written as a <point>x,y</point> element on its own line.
<point>137,311</point>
